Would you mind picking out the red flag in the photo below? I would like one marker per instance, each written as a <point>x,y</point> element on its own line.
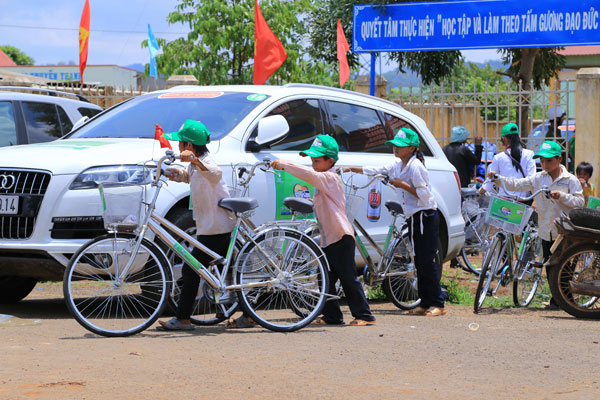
<point>269,53</point>
<point>342,49</point>
<point>84,35</point>
<point>159,135</point>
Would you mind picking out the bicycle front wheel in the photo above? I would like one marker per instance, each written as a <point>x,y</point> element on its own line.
<point>491,264</point>
<point>109,301</point>
<point>401,286</point>
<point>287,299</point>
<point>528,277</point>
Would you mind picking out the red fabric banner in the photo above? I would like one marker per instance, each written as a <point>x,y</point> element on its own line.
<point>84,36</point>
<point>159,135</point>
<point>269,53</point>
<point>342,49</point>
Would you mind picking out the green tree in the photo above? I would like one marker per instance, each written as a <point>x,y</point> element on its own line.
<point>220,47</point>
<point>17,55</point>
<point>526,65</point>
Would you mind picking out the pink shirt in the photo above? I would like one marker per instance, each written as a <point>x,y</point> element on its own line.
<point>329,201</point>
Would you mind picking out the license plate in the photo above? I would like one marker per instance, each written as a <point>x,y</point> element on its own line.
<point>9,204</point>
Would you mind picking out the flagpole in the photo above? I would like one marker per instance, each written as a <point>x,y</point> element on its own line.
<point>373,60</point>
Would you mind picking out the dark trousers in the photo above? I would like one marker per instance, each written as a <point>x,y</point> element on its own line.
<point>426,248</point>
<point>191,280</point>
<point>546,246</point>
<point>340,256</point>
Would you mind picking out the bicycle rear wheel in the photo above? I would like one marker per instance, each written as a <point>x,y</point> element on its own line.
<point>477,234</point>
<point>401,289</point>
<point>105,301</point>
<point>528,277</point>
<point>295,296</point>
<point>491,264</point>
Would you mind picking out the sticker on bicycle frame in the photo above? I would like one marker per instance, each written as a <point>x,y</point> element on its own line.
<point>508,215</point>
<point>593,202</point>
<point>287,185</point>
<point>188,95</point>
<point>256,97</point>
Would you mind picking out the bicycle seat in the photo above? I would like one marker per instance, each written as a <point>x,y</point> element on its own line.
<point>469,192</point>
<point>585,217</point>
<point>296,204</point>
<point>238,204</point>
<point>394,207</point>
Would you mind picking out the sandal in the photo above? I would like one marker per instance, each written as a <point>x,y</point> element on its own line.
<point>241,322</point>
<point>435,312</point>
<point>417,311</point>
<point>175,325</point>
<point>361,322</point>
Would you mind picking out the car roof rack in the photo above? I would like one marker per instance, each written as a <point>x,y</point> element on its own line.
<point>49,92</point>
<point>345,91</point>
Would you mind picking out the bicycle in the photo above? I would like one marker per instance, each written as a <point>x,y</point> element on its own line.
<point>526,271</point>
<point>477,232</point>
<point>118,284</point>
<point>395,271</point>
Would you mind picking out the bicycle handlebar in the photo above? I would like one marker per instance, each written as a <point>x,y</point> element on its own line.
<point>385,179</point>
<point>265,164</point>
<point>496,177</point>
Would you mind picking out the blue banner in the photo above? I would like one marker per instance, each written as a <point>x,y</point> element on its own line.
<point>487,24</point>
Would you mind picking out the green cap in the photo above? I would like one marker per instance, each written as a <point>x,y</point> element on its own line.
<point>323,145</point>
<point>509,129</point>
<point>192,132</point>
<point>549,149</point>
<point>404,138</point>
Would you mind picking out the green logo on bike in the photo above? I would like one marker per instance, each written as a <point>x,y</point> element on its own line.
<point>187,256</point>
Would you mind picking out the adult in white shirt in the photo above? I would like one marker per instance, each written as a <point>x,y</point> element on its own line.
<point>514,162</point>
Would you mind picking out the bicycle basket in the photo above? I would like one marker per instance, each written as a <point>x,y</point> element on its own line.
<point>122,205</point>
<point>509,216</point>
<point>353,203</point>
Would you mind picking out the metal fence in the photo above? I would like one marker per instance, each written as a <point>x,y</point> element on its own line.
<point>485,112</point>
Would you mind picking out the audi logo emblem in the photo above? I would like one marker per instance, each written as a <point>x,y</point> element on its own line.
<point>7,181</point>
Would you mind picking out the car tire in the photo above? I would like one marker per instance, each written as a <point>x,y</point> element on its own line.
<point>15,288</point>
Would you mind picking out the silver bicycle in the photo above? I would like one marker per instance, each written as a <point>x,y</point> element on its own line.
<point>118,284</point>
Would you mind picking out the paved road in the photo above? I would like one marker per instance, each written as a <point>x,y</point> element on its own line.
<point>518,353</point>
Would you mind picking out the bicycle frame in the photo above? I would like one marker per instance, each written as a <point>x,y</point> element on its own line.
<point>243,229</point>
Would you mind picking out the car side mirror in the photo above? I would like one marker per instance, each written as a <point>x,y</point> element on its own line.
<point>271,129</point>
<point>80,122</point>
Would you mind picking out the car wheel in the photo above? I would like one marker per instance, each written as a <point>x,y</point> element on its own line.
<point>15,288</point>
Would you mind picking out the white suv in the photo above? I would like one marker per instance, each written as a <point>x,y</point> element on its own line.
<point>57,208</point>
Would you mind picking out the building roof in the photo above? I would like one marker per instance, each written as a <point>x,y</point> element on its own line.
<point>580,50</point>
<point>6,61</point>
<point>72,66</point>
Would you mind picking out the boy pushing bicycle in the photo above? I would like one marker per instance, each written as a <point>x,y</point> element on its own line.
<point>566,193</point>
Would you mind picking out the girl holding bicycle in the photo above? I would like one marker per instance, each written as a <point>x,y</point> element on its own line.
<point>213,223</point>
<point>565,193</point>
<point>409,175</point>
<point>337,237</point>
<point>515,162</point>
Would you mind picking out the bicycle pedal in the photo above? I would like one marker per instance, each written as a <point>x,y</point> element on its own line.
<point>536,264</point>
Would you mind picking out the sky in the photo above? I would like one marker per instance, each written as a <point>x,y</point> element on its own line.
<point>47,30</point>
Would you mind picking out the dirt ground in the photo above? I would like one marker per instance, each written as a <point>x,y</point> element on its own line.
<point>521,353</point>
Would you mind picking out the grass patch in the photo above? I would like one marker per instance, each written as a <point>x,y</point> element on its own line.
<point>376,293</point>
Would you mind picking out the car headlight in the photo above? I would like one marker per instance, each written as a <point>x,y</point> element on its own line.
<point>126,174</point>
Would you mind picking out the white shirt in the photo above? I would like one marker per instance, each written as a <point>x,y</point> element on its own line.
<point>416,175</point>
<point>207,188</point>
<point>571,196</point>
<point>502,165</point>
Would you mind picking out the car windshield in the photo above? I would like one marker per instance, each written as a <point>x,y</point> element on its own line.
<point>220,112</point>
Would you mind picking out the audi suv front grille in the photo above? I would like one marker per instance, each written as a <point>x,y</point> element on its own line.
<point>25,190</point>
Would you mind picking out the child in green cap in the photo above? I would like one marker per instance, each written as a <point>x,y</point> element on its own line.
<point>213,223</point>
<point>514,162</point>
<point>337,233</point>
<point>566,193</point>
<point>409,175</point>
